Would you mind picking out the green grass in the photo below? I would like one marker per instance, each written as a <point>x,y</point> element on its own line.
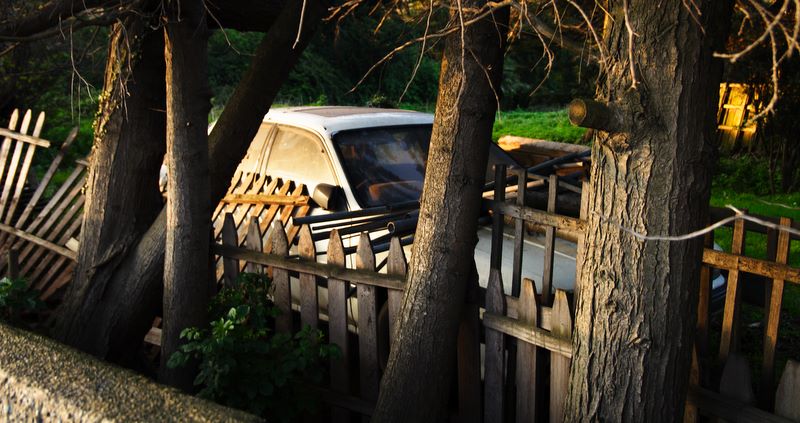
<point>546,125</point>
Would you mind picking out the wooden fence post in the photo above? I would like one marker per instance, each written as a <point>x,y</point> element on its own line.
<point>494,361</point>
<point>561,323</point>
<point>254,242</point>
<point>280,279</point>
<point>367,325</point>
<point>549,244</point>
<point>730,319</point>
<point>230,238</point>
<point>773,317</point>
<point>337,324</point>
<point>396,265</point>
<point>527,376</point>
<point>309,300</point>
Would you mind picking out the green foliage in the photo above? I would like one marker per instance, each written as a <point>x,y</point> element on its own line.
<point>547,125</point>
<point>17,301</point>
<point>244,364</point>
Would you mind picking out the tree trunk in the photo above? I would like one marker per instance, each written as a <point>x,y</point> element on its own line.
<point>636,311</point>
<point>186,285</point>
<point>132,298</point>
<point>425,340</point>
<point>122,187</point>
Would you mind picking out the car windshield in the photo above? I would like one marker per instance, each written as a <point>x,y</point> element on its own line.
<point>384,165</point>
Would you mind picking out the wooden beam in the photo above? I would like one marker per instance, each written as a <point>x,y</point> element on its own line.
<point>759,267</point>
<point>529,334</point>
<point>541,217</point>
<point>314,268</point>
<point>279,200</point>
<point>30,139</point>
<point>66,252</point>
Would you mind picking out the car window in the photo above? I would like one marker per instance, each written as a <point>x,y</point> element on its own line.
<point>384,165</point>
<point>299,155</point>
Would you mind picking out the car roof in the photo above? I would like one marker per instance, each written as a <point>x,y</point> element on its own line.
<point>331,119</point>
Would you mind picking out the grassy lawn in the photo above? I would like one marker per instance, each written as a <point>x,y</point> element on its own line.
<point>547,125</point>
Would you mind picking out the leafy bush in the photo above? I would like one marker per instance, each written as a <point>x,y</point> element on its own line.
<point>244,363</point>
<point>16,300</point>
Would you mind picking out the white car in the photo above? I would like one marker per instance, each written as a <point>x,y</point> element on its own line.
<point>354,158</point>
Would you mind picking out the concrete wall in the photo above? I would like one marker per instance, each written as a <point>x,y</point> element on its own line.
<point>42,380</point>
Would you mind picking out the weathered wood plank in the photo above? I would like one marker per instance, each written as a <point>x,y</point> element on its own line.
<point>549,244</point>
<point>497,216</point>
<point>48,176</point>
<point>370,372</point>
<point>494,362</point>
<point>337,324</point>
<point>270,199</point>
<point>759,267</point>
<point>309,300</point>
<point>736,382</point>
<point>273,209</point>
<point>527,377</point>
<point>254,242</point>
<point>559,365</point>
<point>231,238</point>
<point>396,265</point>
<point>12,126</point>
<point>565,223</point>
<point>704,305</point>
<point>519,235</point>
<point>282,295</point>
<point>319,269</point>
<point>66,252</point>
<point>23,172</point>
<point>11,171</point>
<point>786,398</point>
<point>76,178</point>
<point>730,319</point>
<point>58,236</point>
<point>729,409</point>
<point>530,334</point>
<point>773,318</point>
<point>19,136</point>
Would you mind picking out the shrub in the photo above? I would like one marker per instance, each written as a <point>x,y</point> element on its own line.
<point>17,301</point>
<point>244,363</point>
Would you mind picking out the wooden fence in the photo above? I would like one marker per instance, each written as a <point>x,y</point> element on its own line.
<point>514,348</point>
<point>42,233</point>
<point>736,398</point>
<point>525,337</point>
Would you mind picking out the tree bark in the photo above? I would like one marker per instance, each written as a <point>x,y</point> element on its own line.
<point>186,285</point>
<point>425,340</point>
<point>122,186</point>
<point>636,311</point>
<point>132,298</point>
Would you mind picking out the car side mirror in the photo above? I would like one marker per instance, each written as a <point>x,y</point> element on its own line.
<point>327,196</point>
